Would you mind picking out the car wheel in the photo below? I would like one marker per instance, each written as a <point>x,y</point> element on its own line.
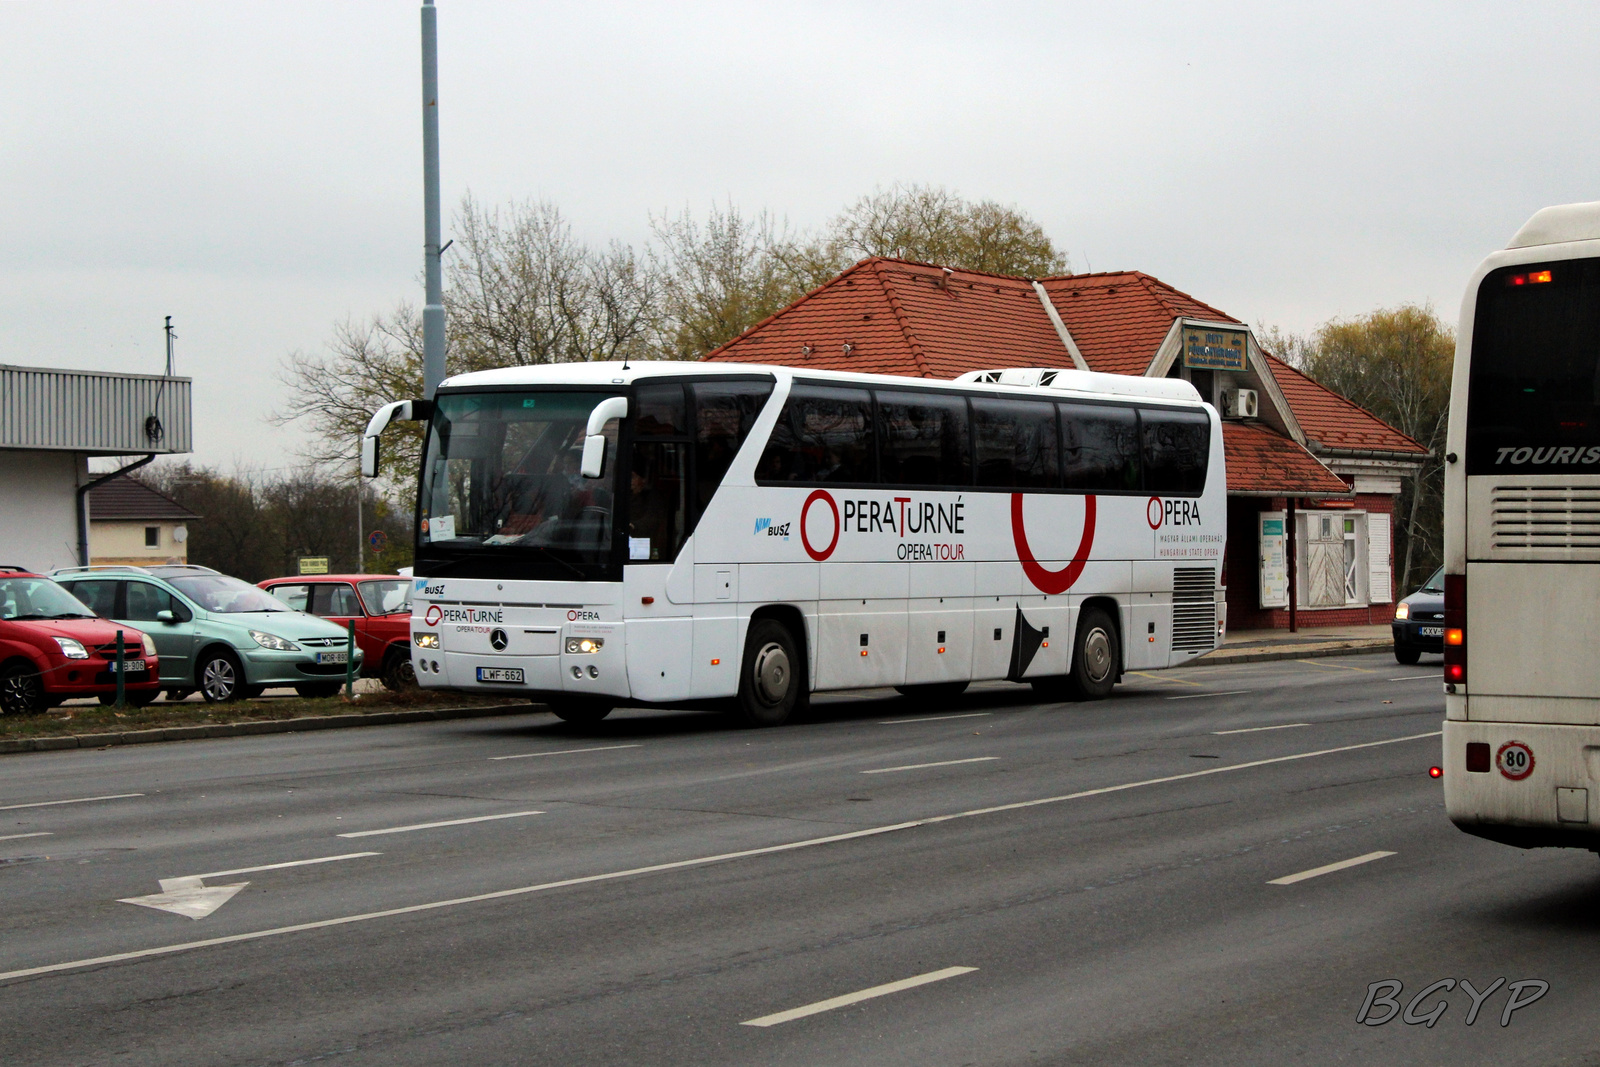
<point>1096,655</point>
<point>578,711</point>
<point>772,675</point>
<point>1406,655</point>
<point>21,690</point>
<point>932,693</point>
<point>318,690</point>
<point>220,676</point>
<point>399,673</point>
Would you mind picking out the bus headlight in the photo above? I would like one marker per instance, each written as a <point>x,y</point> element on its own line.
<point>426,640</point>
<point>1403,611</point>
<point>581,646</point>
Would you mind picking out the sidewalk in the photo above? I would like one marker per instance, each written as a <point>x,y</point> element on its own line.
<point>1250,646</point>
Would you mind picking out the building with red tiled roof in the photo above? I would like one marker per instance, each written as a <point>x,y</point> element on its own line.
<point>129,522</point>
<point>1298,455</point>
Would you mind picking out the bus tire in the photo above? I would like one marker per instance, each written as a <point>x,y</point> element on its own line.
<point>934,693</point>
<point>1407,655</point>
<point>1096,656</point>
<point>771,676</point>
<point>579,711</point>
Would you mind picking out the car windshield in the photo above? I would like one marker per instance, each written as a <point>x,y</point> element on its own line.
<point>386,598</point>
<point>1434,584</point>
<point>39,598</point>
<point>219,593</point>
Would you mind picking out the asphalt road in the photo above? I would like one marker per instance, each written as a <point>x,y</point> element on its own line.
<point>1063,884</point>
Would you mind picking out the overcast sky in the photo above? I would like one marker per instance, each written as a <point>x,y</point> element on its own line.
<point>254,170</point>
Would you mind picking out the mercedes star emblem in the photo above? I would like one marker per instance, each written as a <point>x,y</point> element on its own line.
<point>497,638</point>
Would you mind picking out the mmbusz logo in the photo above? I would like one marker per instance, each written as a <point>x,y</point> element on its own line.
<point>772,531</point>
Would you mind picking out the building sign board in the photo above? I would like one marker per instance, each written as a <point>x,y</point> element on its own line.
<point>313,564</point>
<point>1274,564</point>
<point>1208,348</point>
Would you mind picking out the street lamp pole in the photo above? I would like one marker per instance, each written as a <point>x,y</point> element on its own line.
<point>433,308</point>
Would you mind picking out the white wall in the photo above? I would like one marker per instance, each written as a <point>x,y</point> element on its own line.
<point>38,508</point>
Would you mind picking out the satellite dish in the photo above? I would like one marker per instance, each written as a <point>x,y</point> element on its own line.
<point>180,534</point>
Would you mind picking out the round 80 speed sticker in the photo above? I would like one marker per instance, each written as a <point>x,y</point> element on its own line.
<point>1515,760</point>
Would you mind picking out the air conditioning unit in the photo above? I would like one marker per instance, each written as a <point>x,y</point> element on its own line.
<point>1239,403</point>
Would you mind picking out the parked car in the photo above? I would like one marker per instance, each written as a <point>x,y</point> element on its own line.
<point>379,604</point>
<point>217,634</point>
<point>53,648</point>
<point>1419,621</point>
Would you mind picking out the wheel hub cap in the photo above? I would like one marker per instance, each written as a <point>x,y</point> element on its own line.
<point>1097,655</point>
<point>772,673</point>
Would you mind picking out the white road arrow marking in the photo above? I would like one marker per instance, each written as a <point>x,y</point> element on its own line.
<point>190,895</point>
<point>187,896</point>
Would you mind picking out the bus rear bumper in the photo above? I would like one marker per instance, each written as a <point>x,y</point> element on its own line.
<point>1554,803</point>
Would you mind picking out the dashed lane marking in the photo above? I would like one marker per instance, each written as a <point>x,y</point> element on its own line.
<point>678,865</point>
<point>1417,678</point>
<point>436,825</point>
<point>19,837</point>
<point>1201,696</point>
<point>936,718</point>
<point>1258,729</point>
<point>941,763</point>
<point>565,752</point>
<point>1291,879</point>
<point>857,997</point>
<point>79,800</point>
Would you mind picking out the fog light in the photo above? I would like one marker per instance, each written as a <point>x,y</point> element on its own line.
<point>594,672</point>
<point>426,640</point>
<point>435,666</point>
<point>577,672</point>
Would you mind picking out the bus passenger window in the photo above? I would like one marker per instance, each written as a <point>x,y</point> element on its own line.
<point>1099,448</point>
<point>923,439</point>
<point>657,494</point>
<point>823,435</point>
<point>1016,443</point>
<point>1176,446</point>
<point>724,413</point>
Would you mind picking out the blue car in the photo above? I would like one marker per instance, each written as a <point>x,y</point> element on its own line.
<point>1418,622</point>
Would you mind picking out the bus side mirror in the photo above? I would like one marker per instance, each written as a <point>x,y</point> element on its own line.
<point>405,410</point>
<point>369,457</point>
<point>594,444</point>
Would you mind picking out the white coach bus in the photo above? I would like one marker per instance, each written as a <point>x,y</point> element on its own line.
<point>594,534</point>
<point>1522,541</point>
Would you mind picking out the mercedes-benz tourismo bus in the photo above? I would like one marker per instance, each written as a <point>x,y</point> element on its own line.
<point>592,534</point>
<point>1522,541</point>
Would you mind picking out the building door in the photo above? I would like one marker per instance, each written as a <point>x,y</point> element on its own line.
<point>1325,562</point>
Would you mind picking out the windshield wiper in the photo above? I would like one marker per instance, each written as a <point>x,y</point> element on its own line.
<point>72,615</point>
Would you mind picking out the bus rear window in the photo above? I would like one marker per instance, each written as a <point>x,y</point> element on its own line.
<point>1533,401</point>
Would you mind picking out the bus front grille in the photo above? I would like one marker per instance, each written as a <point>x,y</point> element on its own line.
<point>1194,609</point>
<point>1542,516</point>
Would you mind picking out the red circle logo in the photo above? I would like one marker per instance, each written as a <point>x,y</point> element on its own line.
<point>805,539</point>
<point>1154,513</point>
<point>433,615</point>
<point>1048,581</point>
<point>1515,760</point>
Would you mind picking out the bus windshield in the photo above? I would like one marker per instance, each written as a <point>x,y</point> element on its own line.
<point>1533,405</point>
<point>502,487</point>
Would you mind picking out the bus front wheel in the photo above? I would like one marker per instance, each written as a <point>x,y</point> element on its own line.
<point>772,677</point>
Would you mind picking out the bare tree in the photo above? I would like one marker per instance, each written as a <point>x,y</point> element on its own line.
<point>934,225</point>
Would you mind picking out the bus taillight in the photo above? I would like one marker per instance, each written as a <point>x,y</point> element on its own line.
<point>1455,628</point>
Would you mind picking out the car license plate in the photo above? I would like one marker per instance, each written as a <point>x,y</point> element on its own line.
<point>333,657</point>
<point>500,674</point>
<point>1430,631</point>
<point>129,666</point>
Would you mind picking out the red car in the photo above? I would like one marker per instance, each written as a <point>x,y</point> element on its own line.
<point>53,648</point>
<point>380,604</point>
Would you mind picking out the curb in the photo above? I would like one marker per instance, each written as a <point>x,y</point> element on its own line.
<point>1355,648</point>
<point>262,726</point>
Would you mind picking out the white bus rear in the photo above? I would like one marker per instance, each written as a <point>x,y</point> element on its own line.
<point>1522,541</point>
<point>590,535</point>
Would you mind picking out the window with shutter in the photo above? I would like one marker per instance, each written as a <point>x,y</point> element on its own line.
<point>1379,548</point>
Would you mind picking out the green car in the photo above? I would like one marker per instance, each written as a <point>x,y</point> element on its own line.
<point>217,634</point>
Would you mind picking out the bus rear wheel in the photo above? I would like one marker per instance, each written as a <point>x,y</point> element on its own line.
<point>772,676</point>
<point>1096,656</point>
